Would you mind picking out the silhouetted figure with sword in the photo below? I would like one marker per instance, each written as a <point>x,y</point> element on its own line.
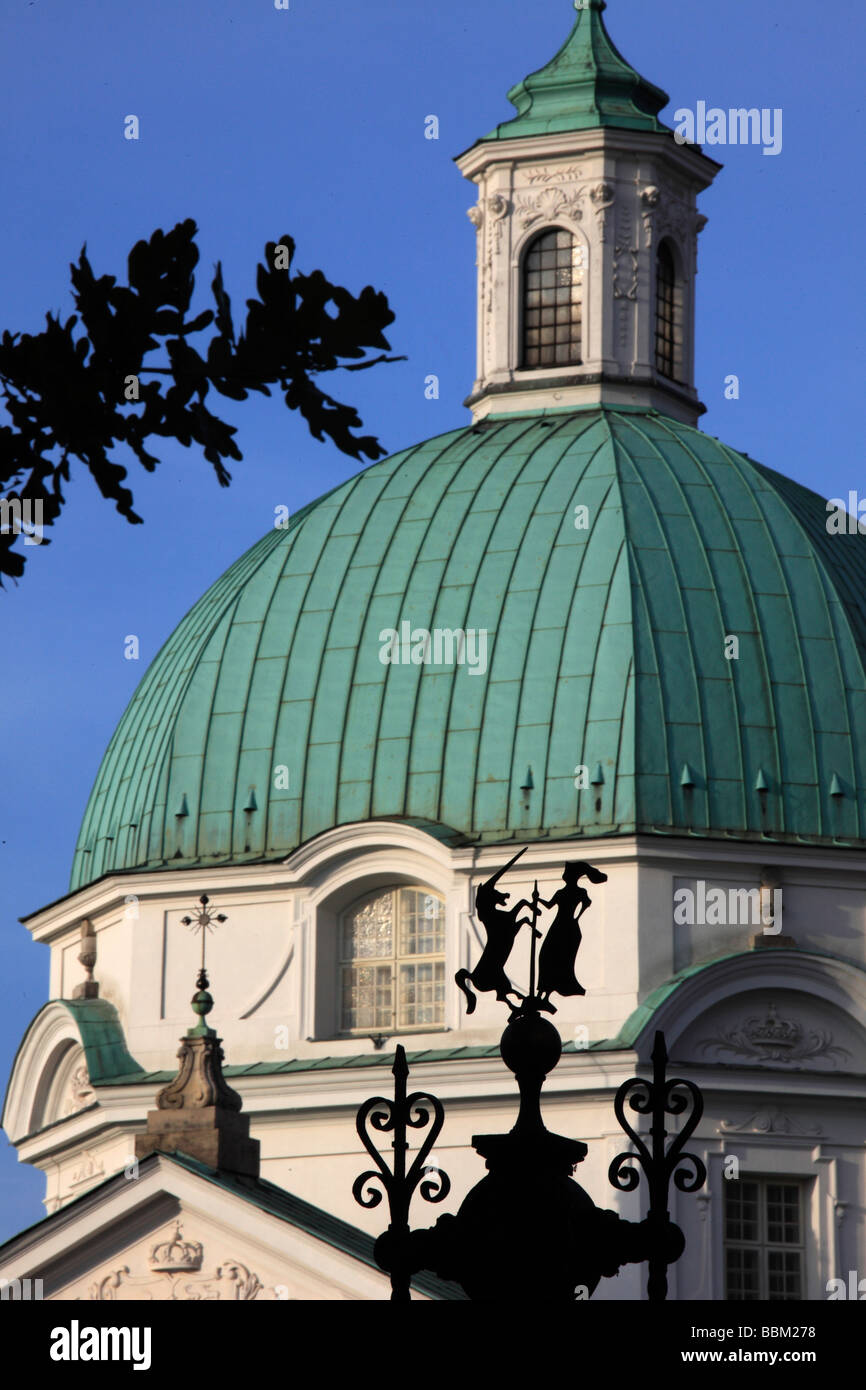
<point>502,925</point>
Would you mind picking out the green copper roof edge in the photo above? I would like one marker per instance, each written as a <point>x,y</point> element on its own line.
<point>636,1022</point>
<point>539,412</point>
<point>102,1039</point>
<point>486,840</point>
<point>641,1017</point>
<point>305,1064</point>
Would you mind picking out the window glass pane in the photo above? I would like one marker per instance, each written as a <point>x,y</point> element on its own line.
<point>422,994</point>
<point>368,932</point>
<point>367,996</point>
<point>422,923</point>
<point>742,1276</point>
<point>552,281</point>
<point>783,1214</point>
<point>784,1275</point>
<point>742,1211</point>
<point>665,328</point>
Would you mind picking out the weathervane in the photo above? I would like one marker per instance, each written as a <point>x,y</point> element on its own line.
<point>528,1229</point>
<point>556,959</point>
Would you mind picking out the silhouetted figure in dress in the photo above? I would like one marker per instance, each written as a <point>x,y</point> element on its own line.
<point>559,949</point>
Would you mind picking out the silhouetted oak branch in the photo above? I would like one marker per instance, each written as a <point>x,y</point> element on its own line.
<point>77,398</point>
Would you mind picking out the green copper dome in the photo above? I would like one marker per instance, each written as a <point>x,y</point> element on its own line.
<point>269,716</point>
<point>586,84</point>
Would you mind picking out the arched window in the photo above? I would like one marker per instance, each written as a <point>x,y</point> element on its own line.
<point>667,346</point>
<point>392,962</point>
<point>552,301</point>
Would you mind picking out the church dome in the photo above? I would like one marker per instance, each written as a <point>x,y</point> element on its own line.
<point>661,637</point>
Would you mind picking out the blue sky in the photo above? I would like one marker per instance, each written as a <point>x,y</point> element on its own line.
<point>256,122</point>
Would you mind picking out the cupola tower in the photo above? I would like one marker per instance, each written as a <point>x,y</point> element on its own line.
<point>587,229</point>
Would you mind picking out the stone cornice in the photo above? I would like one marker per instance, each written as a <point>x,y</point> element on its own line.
<point>695,166</point>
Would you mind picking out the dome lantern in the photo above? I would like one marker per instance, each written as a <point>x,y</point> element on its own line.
<point>587,229</point>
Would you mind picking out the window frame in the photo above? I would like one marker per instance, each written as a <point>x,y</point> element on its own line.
<point>394,961</point>
<point>676,319</point>
<point>763,1245</point>
<point>524,327</point>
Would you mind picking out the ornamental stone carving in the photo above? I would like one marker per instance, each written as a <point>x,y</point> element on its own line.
<point>772,1120</point>
<point>602,196</point>
<point>775,1041</point>
<point>176,1256</point>
<point>79,1092</point>
<point>545,175</point>
<point>199,1082</point>
<point>173,1275</point>
<point>547,205</point>
<point>625,272</point>
<point>498,207</point>
<point>90,1168</point>
<point>649,199</point>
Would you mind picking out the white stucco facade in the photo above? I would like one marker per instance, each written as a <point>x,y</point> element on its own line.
<point>793,1108</point>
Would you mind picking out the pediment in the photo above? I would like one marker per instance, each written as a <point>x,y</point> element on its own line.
<point>180,1233</point>
<point>188,1259</point>
<point>780,1029</point>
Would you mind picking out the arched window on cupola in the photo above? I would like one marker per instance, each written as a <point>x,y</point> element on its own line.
<point>392,962</point>
<point>552,300</point>
<point>669,317</point>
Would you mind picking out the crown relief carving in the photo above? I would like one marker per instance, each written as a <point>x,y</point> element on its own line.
<point>170,1264</point>
<point>176,1256</point>
<point>776,1041</point>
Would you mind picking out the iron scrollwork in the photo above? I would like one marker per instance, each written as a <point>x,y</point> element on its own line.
<point>657,1098</point>
<point>528,1227</point>
<point>416,1111</point>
